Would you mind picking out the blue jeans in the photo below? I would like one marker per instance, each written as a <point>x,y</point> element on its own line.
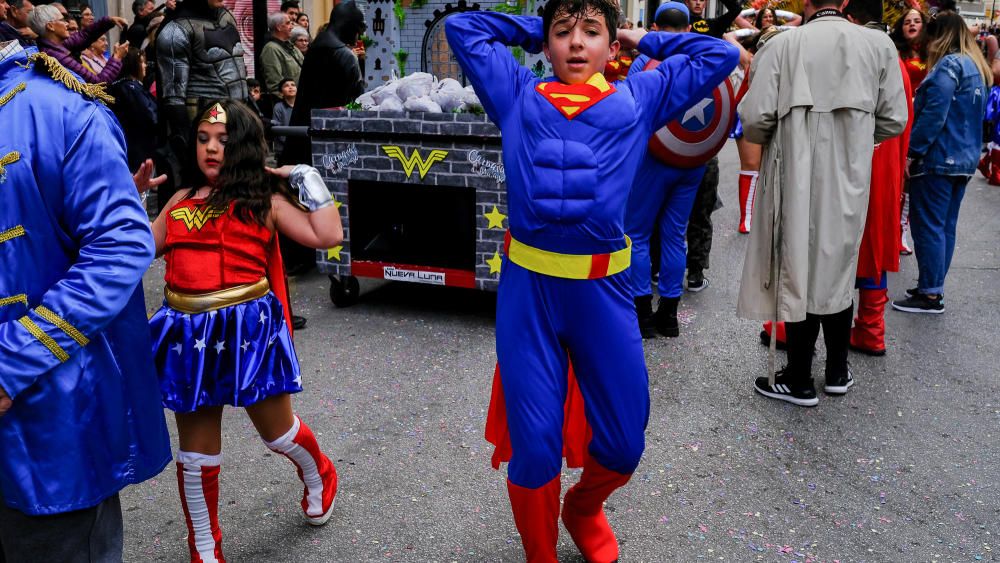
<point>661,198</point>
<point>934,204</point>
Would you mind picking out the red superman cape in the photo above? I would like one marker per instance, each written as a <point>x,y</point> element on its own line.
<point>576,431</point>
<point>276,278</point>
<point>879,251</point>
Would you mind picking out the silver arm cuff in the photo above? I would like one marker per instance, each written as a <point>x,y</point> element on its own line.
<point>312,189</point>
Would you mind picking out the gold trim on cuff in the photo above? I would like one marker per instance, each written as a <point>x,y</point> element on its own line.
<point>70,330</point>
<point>45,339</point>
<point>193,303</point>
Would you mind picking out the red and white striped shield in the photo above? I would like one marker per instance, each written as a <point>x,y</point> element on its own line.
<point>699,134</point>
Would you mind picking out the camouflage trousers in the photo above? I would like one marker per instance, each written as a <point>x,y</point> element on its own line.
<point>699,231</point>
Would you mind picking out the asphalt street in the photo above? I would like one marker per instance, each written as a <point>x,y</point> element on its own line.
<point>906,467</point>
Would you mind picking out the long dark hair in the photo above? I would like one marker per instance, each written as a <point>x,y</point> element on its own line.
<point>242,178</point>
<point>902,45</point>
<point>759,20</point>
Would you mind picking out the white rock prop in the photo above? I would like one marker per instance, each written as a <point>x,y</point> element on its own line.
<point>423,103</point>
<point>385,91</point>
<point>416,85</point>
<point>391,103</point>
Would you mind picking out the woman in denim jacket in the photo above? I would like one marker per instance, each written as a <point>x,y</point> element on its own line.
<point>944,151</point>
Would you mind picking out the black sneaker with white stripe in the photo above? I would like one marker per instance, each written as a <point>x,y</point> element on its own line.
<point>920,303</point>
<point>840,383</point>
<point>798,392</point>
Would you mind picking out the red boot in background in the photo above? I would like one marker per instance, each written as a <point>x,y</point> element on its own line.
<point>765,335</point>
<point>536,515</point>
<point>748,191</point>
<point>868,334</point>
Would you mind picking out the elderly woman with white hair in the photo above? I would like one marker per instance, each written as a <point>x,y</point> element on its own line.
<point>55,40</point>
<point>300,38</point>
<point>279,59</point>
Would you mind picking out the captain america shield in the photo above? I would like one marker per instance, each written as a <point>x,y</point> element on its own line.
<point>700,132</point>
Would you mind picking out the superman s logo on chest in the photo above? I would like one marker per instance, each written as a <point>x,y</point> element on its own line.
<point>573,99</point>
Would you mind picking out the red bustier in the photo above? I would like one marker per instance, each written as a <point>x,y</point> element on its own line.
<point>210,249</point>
<point>917,69</point>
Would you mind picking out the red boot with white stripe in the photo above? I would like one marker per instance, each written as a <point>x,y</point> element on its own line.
<point>198,484</point>
<point>315,470</point>
<point>748,191</point>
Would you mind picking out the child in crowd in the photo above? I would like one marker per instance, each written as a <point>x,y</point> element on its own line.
<point>223,337</point>
<point>283,111</point>
<point>572,146</point>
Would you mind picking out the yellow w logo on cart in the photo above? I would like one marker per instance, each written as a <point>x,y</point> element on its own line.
<point>415,160</point>
<point>195,219</point>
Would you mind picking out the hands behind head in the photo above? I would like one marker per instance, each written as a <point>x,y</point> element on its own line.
<point>143,177</point>
<point>629,38</point>
<point>282,172</point>
<point>5,402</point>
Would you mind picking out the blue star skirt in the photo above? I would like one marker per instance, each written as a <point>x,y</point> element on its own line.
<point>235,355</point>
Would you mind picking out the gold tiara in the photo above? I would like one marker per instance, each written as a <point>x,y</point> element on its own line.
<point>215,114</point>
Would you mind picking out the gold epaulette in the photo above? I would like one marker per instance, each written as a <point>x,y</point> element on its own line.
<point>51,68</point>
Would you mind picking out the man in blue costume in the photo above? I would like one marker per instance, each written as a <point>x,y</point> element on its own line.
<point>571,148</point>
<point>80,414</point>
<point>661,199</point>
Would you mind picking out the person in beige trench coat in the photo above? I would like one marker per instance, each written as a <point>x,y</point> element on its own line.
<point>820,97</point>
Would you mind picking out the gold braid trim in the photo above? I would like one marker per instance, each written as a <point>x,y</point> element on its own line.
<point>47,314</point>
<point>19,298</point>
<point>10,95</point>
<point>11,234</point>
<point>45,339</point>
<point>58,72</point>
<point>9,158</point>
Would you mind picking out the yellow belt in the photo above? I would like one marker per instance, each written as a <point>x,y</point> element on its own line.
<point>570,266</point>
<point>205,302</point>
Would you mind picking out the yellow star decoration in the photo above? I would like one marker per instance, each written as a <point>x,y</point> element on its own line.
<point>334,253</point>
<point>495,218</point>
<point>337,204</point>
<point>495,263</point>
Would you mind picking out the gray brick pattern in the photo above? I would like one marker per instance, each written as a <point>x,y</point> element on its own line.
<point>341,160</point>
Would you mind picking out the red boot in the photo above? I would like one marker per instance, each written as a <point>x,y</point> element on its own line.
<point>315,470</point>
<point>765,335</point>
<point>868,334</point>
<point>994,176</point>
<point>198,484</point>
<point>748,191</point>
<point>536,515</point>
<point>583,512</point>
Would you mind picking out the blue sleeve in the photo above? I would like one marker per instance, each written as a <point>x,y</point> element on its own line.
<point>934,100</point>
<point>693,65</point>
<point>101,214</point>
<point>479,41</point>
<point>638,65</point>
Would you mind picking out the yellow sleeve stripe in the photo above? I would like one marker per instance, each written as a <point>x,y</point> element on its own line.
<point>11,234</point>
<point>19,298</point>
<point>45,339</point>
<point>60,322</point>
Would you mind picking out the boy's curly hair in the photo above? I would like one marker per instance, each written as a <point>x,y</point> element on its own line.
<point>579,9</point>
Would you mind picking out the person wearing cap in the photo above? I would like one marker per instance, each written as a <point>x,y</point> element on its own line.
<point>819,126</point>
<point>661,198</point>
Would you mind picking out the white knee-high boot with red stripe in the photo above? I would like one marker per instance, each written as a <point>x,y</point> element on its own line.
<point>315,470</point>
<point>198,483</point>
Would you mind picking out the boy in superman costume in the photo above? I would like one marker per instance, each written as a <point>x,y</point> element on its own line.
<point>572,146</point>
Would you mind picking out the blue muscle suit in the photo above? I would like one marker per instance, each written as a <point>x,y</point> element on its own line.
<point>564,289</point>
<point>74,344</point>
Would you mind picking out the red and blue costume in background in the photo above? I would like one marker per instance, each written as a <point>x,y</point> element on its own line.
<point>571,153</point>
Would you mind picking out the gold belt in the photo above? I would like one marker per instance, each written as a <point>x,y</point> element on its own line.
<point>192,303</point>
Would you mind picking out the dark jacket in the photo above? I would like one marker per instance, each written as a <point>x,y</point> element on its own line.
<point>10,33</point>
<point>135,109</point>
<point>330,77</point>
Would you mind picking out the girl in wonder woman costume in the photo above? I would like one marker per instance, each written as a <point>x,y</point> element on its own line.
<point>222,336</point>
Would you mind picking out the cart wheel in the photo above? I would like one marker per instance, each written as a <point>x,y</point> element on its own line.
<point>344,291</point>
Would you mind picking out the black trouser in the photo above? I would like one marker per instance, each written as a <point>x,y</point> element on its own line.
<point>801,342</point>
<point>699,231</point>
<point>91,535</point>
